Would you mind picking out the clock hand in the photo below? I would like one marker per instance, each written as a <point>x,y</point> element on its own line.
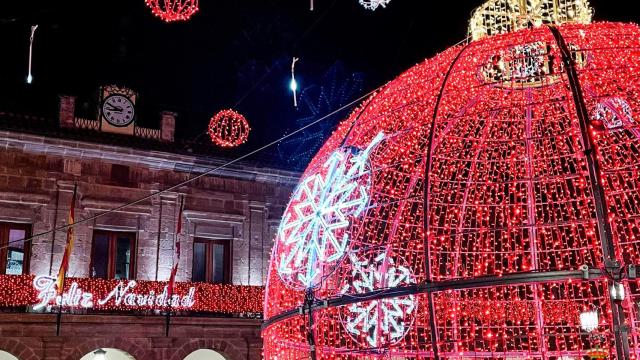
<point>114,108</point>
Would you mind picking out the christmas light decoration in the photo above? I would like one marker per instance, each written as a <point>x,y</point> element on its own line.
<point>228,129</point>
<point>589,321</point>
<point>373,4</point>
<point>613,113</point>
<point>507,186</point>
<point>384,321</point>
<point>312,236</point>
<point>293,85</point>
<point>173,10</point>
<point>31,38</point>
<point>336,88</point>
<point>500,16</point>
<point>120,295</point>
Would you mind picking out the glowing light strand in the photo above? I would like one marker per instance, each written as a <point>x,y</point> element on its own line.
<point>228,129</point>
<point>312,234</point>
<point>125,295</point>
<point>385,321</point>
<point>374,4</point>
<point>173,10</point>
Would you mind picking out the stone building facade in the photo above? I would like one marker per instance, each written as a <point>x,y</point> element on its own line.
<point>239,204</point>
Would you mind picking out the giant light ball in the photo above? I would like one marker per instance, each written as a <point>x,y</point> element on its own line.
<point>475,207</point>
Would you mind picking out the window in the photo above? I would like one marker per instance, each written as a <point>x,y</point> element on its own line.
<point>113,255</point>
<point>14,251</point>
<point>211,261</point>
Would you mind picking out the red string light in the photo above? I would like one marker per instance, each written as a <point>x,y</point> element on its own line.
<point>509,192</point>
<point>173,10</point>
<point>18,290</point>
<point>228,129</point>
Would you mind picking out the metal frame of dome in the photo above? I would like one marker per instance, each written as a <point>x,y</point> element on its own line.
<point>528,180</point>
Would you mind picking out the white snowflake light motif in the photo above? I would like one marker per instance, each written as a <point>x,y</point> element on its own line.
<point>384,321</point>
<point>373,4</point>
<point>613,112</point>
<point>313,235</point>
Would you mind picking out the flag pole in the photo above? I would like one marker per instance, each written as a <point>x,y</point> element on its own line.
<point>66,257</point>
<point>174,269</point>
<point>58,319</point>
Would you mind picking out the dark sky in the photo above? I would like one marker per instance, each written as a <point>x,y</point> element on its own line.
<point>233,53</point>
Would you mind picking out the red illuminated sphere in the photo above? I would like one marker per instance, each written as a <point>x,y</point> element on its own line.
<point>522,152</point>
<point>228,129</point>
<point>173,10</point>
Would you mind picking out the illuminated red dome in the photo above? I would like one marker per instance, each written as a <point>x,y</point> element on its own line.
<point>531,146</point>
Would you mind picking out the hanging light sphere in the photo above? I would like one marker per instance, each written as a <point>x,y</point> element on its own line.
<point>448,216</point>
<point>173,10</point>
<point>228,129</point>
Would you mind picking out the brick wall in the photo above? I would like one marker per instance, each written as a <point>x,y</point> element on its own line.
<point>33,336</point>
<point>37,176</point>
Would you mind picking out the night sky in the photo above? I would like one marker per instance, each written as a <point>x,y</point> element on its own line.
<point>231,54</point>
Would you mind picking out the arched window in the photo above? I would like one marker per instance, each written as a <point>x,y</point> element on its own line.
<point>107,354</point>
<point>204,354</point>
<point>6,356</point>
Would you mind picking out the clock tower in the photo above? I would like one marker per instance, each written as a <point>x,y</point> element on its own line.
<point>117,109</point>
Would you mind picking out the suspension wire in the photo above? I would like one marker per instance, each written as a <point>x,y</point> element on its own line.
<point>185,182</point>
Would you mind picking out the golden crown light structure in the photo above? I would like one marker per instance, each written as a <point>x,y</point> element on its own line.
<point>479,206</point>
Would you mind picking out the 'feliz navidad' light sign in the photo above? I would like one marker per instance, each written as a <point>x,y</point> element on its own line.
<point>122,295</point>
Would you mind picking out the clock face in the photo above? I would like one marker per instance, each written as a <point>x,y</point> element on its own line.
<point>118,110</point>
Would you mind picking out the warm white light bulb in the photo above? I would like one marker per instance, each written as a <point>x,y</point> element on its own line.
<point>617,291</point>
<point>293,85</point>
<point>29,79</point>
<point>589,320</point>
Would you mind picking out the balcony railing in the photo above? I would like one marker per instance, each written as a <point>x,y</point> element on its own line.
<point>147,133</point>
<point>82,123</point>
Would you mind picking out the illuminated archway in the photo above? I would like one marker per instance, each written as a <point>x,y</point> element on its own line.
<point>110,354</point>
<point>205,354</point>
<point>7,356</point>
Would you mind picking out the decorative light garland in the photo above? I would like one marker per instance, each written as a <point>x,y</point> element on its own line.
<point>374,4</point>
<point>124,295</point>
<point>173,10</point>
<point>509,193</point>
<point>228,129</point>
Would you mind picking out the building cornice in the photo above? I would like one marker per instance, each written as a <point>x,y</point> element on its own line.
<point>152,159</point>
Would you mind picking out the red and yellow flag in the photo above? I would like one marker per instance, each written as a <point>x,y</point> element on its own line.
<point>64,265</point>
<point>176,255</point>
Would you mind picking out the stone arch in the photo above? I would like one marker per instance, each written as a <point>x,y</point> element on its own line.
<point>9,356</point>
<point>88,346</point>
<point>228,351</point>
<point>204,354</point>
<point>18,349</point>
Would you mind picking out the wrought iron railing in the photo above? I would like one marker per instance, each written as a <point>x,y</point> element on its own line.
<point>88,124</point>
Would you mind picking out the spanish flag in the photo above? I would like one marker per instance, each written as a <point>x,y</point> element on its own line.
<point>176,255</point>
<point>64,265</point>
